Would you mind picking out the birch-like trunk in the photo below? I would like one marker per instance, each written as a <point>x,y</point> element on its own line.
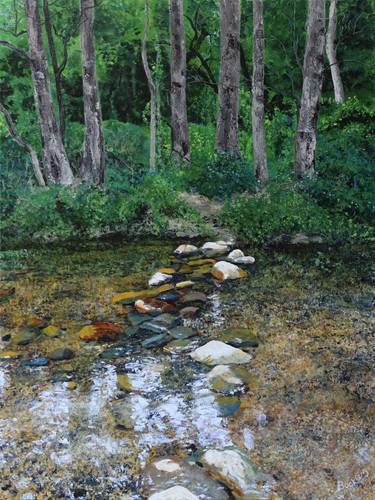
<point>151,86</point>
<point>227,124</point>
<point>257,110</point>
<point>24,145</point>
<point>311,90</point>
<point>331,53</point>
<point>93,160</point>
<point>55,161</point>
<point>55,66</point>
<point>180,135</point>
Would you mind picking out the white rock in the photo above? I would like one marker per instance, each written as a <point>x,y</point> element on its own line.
<point>212,248</point>
<point>225,373</point>
<point>174,493</point>
<point>186,250</point>
<point>238,257</point>
<point>167,465</point>
<point>159,278</point>
<point>143,308</point>
<point>233,468</point>
<point>223,270</point>
<point>219,353</point>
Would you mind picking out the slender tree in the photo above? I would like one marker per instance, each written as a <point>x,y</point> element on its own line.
<point>331,54</point>
<point>180,135</point>
<point>311,90</point>
<point>151,86</point>
<point>24,145</point>
<point>93,160</point>
<point>55,161</point>
<point>57,68</point>
<point>257,110</point>
<point>227,124</point>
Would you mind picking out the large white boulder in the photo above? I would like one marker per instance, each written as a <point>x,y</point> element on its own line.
<point>238,257</point>
<point>223,270</point>
<point>213,248</point>
<point>174,493</point>
<point>159,278</point>
<point>186,251</point>
<point>232,467</point>
<point>219,353</point>
<point>225,373</point>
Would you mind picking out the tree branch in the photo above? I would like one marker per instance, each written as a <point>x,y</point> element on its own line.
<point>21,53</point>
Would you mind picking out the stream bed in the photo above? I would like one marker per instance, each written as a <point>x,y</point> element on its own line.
<point>91,423</point>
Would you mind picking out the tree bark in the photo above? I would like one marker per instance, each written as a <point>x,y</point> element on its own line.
<point>311,90</point>
<point>151,86</point>
<point>257,110</point>
<point>93,161</point>
<point>55,161</point>
<point>180,135</point>
<point>24,145</point>
<point>227,124</point>
<point>56,69</point>
<point>331,53</point>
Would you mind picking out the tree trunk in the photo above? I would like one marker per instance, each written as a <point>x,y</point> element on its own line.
<point>24,145</point>
<point>259,142</point>
<point>151,86</point>
<point>93,161</point>
<point>311,90</point>
<point>227,125</point>
<point>56,164</point>
<point>56,69</point>
<point>180,135</point>
<point>331,53</point>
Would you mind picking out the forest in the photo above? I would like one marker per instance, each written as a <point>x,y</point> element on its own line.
<point>276,120</point>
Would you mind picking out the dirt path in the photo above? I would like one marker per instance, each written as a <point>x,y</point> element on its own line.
<point>209,211</point>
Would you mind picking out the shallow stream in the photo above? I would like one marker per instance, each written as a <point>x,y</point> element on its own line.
<point>306,419</point>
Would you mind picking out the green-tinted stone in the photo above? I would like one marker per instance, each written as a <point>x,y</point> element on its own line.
<point>182,332</point>
<point>177,346</point>
<point>239,337</point>
<point>156,341</point>
<point>137,318</point>
<point>227,405</point>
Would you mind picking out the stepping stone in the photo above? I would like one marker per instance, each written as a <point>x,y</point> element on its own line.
<point>166,320</point>
<point>61,354</point>
<point>238,257</point>
<point>218,353</point>
<point>214,248</point>
<point>131,297</point>
<point>115,352</point>
<point>136,318</point>
<point>186,251</point>
<point>170,296</point>
<point>178,346</point>
<point>184,284</point>
<point>156,341</point>
<point>223,271</point>
<point>201,262</point>
<point>36,362</point>
<point>182,332</point>
<point>192,297</point>
<point>189,312</point>
<point>159,278</point>
<point>239,337</point>
<point>233,468</point>
<point>101,330</point>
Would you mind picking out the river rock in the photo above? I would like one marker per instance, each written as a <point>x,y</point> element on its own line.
<point>186,251</point>
<point>225,380</point>
<point>51,331</point>
<point>178,346</point>
<point>102,330</point>
<point>131,297</point>
<point>36,362</point>
<point>7,355</point>
<point>227,405</point>
<point>169,296</point>
<point>239,337</point>
<point>218,353</point>
<point>184,284</point>
<point>214,248</point>
<point>115,352</point>
<point>233,468</point>
<point>156,341</point>
<point>174,493</point>
<point>189,312</point>
<point>193,297</point>
<point>123,382</point>
<point>167,320</point>
<point>136,318</point>
<point>159,278</point>
<point>201,262</point>
<point>238,257</point>
<point>24,336</point>
<point>223,271</point>
<point>122,413</point>
<point>167,472</point>
<point>61,354</point>
<point>143,308</point>
<point>182,332</point>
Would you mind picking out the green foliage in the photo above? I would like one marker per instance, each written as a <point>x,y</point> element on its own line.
<point>277,211</point>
